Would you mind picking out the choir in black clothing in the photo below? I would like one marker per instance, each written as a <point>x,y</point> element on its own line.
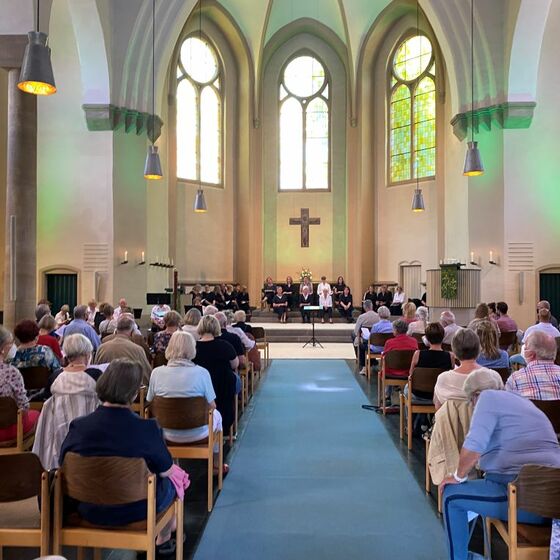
<point>280,304</point>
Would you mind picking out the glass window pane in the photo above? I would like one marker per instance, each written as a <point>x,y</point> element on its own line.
<point>426,163</point>
<point>400,167</point>
<point>304,76</point>
<point>412,58</point>
<point>199,60</point>
<point>400,140</point>
<point>425,128</point>
<point>291,145</point>
<point>317,145</point>
<point>210,150</point>
<point>187,131</point>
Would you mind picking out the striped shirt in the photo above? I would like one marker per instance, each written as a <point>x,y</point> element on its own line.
<point>539,380</point>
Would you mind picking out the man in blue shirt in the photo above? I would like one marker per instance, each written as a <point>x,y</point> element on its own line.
<point>80,326</point>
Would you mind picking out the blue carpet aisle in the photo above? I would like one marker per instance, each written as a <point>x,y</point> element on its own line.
<point>316,476</point>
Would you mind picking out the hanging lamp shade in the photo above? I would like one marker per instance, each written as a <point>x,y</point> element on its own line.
<point>200,202</point>
<point>36,75</point>
<point>418,201</point>
<point>473,161</point>
<point>152,169</point>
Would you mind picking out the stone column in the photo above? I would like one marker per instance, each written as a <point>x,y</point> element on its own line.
<point>20,283</point>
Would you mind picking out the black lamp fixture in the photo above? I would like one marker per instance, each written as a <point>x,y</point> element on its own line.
<point>36,75</point>
<point>152,168</point>
<point>473,161</point>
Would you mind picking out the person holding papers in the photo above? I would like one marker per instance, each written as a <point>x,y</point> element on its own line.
<point>325,303</point>
<point>346,304</point>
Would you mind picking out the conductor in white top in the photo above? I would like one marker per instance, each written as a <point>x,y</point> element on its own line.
<point>325,302</point>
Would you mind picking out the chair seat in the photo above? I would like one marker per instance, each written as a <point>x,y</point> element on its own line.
<point>23,514</point>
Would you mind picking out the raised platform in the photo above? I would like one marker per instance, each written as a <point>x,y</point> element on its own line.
<point>294,317</point>
<point>299,332</point>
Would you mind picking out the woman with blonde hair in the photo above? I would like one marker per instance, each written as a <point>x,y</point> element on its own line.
<point>191,320</point>
<point>491,356</point>
<point>409,312</point>
<point>420,322</point>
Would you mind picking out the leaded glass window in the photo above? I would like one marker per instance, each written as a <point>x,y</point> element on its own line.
<point>304,125</point>
<point>199,113</point>
<point>412,111</point>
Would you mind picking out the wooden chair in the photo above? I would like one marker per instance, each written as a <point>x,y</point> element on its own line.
<point>185,414</point>
<point>110,481</point>
<point>395,359</point>
<point>419,337</point>
<point>446,347</point>
<point>10,415</point>
<point>35,378</point>
<point>422,379</point>
<point>23,482</point>
<point>262,344</point>
<point>504,373</point>
<point>537,490</point>
<point>552,410</point>
<point>139,405</point>
<point>159,359</point>
<point>375,339</point>
<point>507,339</point>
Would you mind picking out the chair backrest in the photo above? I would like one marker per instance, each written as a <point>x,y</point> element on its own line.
<point>557,360</point>
<point>180,413</point>
<point>504,372</point>
<point>35,377</point>
<point>8,412</point>
<point>379,339</point>
<point>258,333</point>
<point>446,347</point>
<point>104,480</point>
<point>538,490</point>
<point>21,477</point>
<point>552,410</point>
<point>507,339</point>
<point>398,359</point>
<point>424,379</point>
<point>160,359</point>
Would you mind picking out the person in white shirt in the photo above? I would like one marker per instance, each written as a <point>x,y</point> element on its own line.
<point>120,309</point>
<point>157,315</point>
<point>447,320</point>
<point>323,284</point>
<point>325,302</point>
<point>399,298</point>
<point>247,342</point>
<point>366,319</point>
<point>91,312</point>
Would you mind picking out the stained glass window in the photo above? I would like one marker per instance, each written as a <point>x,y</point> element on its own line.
<point>199,113</point>
<point>412,111</point>
<point>304,125</point>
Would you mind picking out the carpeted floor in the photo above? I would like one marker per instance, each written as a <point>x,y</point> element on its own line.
<point>316,476</point>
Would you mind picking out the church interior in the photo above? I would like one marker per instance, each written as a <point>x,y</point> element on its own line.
<point>273,287</point>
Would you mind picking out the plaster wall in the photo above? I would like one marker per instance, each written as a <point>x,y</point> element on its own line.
<point>3,166</point>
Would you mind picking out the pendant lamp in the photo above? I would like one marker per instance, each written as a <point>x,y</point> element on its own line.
<point>200,202</point>
<point>473,161</point>
<point>36,76</point>
<point>152,168</point>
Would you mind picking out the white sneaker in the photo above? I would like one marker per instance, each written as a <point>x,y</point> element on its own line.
<point>363,371</point>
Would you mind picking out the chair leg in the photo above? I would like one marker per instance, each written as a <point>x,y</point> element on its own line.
<point>383,407</point>
<point>151,551</point>
<point>179,516</point>
<point>409,426</point>
<point>97,553</point>
<point>80,553</point>
<point>210,480</point>
<point>439,501</point>
<point>488,538</point>
<point>221,460</point>
<point>401,416</point>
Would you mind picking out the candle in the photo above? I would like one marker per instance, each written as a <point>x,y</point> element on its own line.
<point>491,256</point>
<point>125,256</point>
<point>142,258</point>
<point>472,256</point>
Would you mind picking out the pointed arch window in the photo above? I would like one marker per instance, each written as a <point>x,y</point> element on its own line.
<point>412,111</point>
<point>199,113</point>
<point>304,120</point>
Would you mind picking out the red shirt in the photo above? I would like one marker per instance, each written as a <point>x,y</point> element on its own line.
<point>399,342</point>
<point>52,343</point>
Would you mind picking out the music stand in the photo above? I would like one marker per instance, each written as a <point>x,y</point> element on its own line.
<point>313,341</point>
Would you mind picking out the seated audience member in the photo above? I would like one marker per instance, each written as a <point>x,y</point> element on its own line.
<point>29,353</point>
<point>232,338</point>
<point>338,288</point>
<point>191,320</point>
<point>482,313</point>
<point>113,430</point>
<point>63,316</point>
<point>209,310</point>
<point>289,289</point>
<point>280,304</point>
<point>434,357</point>
<point>219,357</point>
<point>506,433</point>
<point>92,311</point>
<point>490,354</point>
<point>268,293</point>
<point>195,293</point>
<point>46,326</point>
<point>543,304</point>
<point>544,325</point>
<point>80,326</point>
<point>370,295</point>
<point>240,318</point>
<point>120,309</point>
<point>243,302</point>
<point>447,320</point>
<point>449,384</point>
<point>11,385</point>
<point>171,324</point>
<point>367,319</point>
<point>384,297</point>
<point>73,395</point>
<point>157,316</point>
<point>182,378</point>
<point>108,325</point>
<point>305,299</point>
<point>325,303</point>
<point>409,312</point>
<point>400,341</point>
<point>383,326</point>
<point>505,322</point>
<point>419,325</point>
<point>122,346</point>
<point>399,298</point>
<point>346,304</point>
<point>41,310</point>
<point>540,379</point>
<point>248,343</point>
<point>493,312</point>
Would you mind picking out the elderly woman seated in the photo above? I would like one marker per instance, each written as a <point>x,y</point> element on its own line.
<point>171,324</point>
<point>114,430</point>
<point>191,320</point>
<point>47,337</point>
<point>11,385</point>
<point>73,395</point>
<point>420,322</point>
<point>240,318</point>
<point>507,432</point>
<point>490,354</point>
<point>183,378</point>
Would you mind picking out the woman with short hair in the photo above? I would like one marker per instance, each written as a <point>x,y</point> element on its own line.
<point>63,316</point>
<point>420,322</point>
<point>409,312</point>
<point>240,318</point>
<point>346,304</point>
<point>171,324</point>
<point>47,325</point>
<point>108,326</point>
<point>491,356</point>
<point>29,352</point>
<point>191,320</point>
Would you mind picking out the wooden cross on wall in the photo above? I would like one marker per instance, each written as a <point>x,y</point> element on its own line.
<point>305,221</point>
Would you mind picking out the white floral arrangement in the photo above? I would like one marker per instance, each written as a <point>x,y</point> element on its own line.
<point>305,273</point>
